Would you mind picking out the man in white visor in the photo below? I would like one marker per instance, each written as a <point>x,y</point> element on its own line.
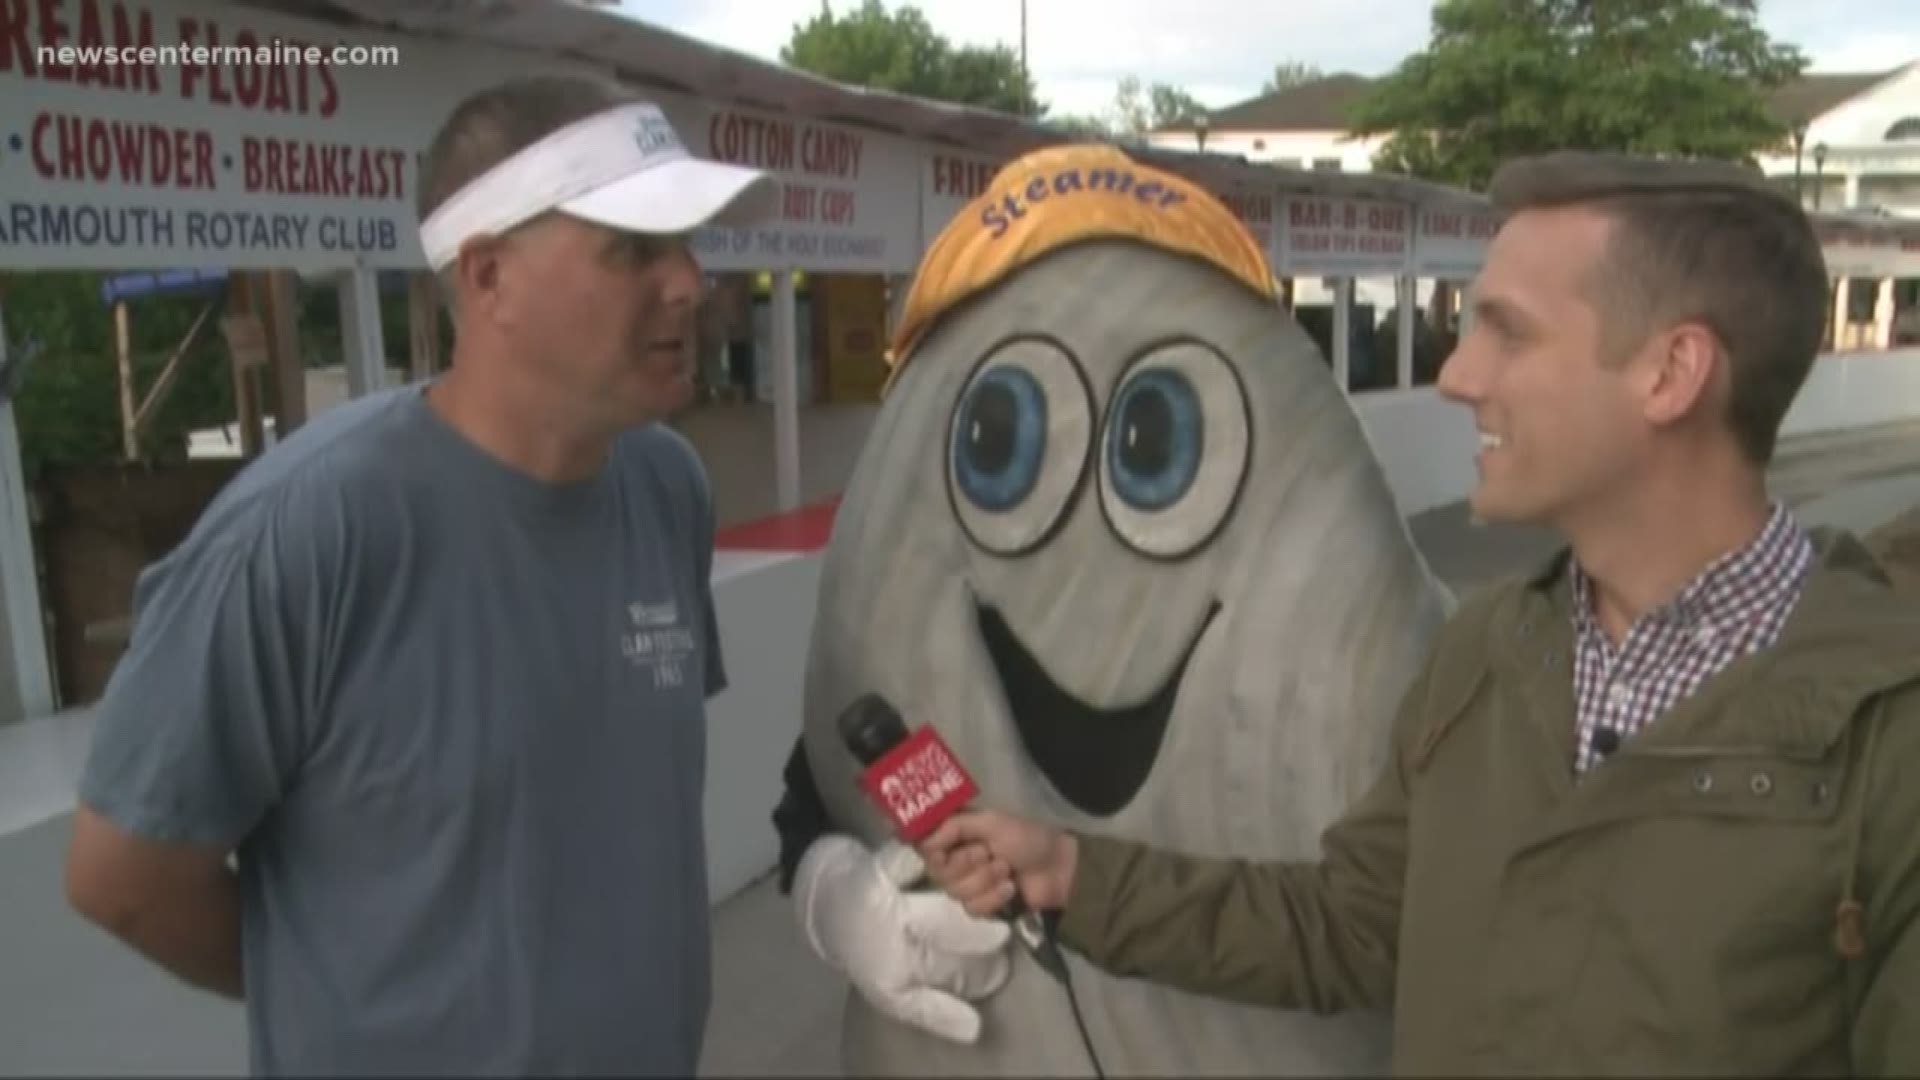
<point>435,668</point>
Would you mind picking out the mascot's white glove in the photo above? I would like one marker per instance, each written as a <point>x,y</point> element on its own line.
<point>916,956</point>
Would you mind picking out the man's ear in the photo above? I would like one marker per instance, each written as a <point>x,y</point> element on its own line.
<point>1683,366</point>
<point>476,272</point>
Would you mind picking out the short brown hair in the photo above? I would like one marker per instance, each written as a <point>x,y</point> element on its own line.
<point>494,124</point>
<point>1701,241</point>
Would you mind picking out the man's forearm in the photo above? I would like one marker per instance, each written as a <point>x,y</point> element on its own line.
<point>1265,934</point>
<point>192,931</point>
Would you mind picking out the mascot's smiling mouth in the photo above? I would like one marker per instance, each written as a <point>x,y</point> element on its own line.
<point>1096,758</point>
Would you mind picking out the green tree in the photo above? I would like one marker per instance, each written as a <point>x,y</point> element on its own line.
<point>1171,106</point>
<point>900,51</point>
<point>1503,78</point>
<point>1139,107</point>
<point>1130,113</point>
<point>1290,73</point>
<point>1081,126</point>
<point>68,405</point>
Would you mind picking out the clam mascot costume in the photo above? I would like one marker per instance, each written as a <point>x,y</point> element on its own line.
<point>1119,536</point>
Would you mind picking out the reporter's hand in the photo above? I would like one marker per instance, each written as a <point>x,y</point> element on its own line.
<point>981,857</point>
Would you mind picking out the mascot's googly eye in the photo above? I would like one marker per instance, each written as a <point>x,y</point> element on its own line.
<point>1173,449</point>
<point>1018,444</point>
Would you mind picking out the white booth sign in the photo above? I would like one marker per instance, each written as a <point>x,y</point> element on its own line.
<point>147,143</point>
<point>948,182</point>
<point>1346,236</point>
<point>132,150</point>
<point>1452,241</point>
<point>1255,209</point>
<point>849,201</point>
<point>1254,204</point>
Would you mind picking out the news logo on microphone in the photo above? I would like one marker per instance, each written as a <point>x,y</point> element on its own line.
<point>918,784</point>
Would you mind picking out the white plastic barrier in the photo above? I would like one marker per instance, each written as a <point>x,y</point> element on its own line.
<point>1851,390</point>
<point>766,617</point>
<point>1426,443</point>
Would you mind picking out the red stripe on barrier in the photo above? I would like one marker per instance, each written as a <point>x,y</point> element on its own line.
<point>805,529</point>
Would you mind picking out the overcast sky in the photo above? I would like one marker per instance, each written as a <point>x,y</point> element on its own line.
<point>1221,51</point>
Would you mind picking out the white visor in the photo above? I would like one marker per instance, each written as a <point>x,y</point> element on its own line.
<point>625,168</point>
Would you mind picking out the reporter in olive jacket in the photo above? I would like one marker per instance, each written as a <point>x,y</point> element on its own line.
<point>1652,808</point>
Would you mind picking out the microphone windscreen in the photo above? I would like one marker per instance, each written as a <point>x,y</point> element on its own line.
<point>870,727</point>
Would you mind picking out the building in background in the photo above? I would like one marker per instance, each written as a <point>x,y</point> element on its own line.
<point>1856,144</point>
<point>1856,141</point>
<point>1301,127</point>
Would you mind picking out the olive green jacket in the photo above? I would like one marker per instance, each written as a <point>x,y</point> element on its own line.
<point>1897,545</point>
<point>1733,892</point>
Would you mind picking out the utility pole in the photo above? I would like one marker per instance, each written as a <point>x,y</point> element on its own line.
<point>1026,77</point>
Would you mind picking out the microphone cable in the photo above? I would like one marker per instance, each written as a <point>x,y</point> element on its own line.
<point>1054,962</point>
<point>1086,1039</point>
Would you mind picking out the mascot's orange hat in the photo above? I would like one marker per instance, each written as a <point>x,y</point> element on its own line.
<point>1063,195</point>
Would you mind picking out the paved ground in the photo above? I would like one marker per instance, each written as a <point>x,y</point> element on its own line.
<point>72,1002</point>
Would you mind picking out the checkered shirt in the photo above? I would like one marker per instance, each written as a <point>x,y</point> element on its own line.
<point>1734,607</point>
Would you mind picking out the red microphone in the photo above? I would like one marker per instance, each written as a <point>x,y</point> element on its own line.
<point>918,783</point>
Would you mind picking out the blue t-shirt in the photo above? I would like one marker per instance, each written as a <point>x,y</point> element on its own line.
<point>452,721</point>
